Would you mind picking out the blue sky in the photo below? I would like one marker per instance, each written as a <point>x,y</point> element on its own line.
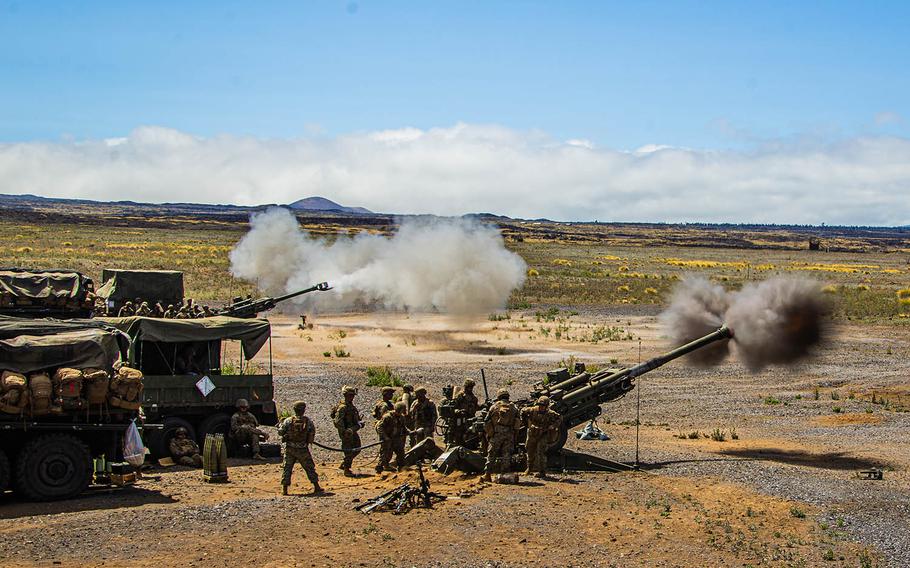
<point>637,111</point>
<point>697,74</point>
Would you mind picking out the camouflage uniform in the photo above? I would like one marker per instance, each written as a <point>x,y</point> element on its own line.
<point>423,416</point>
<point>348,421</point>
<point>245,430</point>
<point>185,450</point>
<point>297,432</point>
<point>501,427</point>
<point>126,311</point>
<point>144,310</point>
<point>170,312</point>
<point>543,424</point>
<point>384,405</point>
<point>393,431</point>
<point>466,406</point>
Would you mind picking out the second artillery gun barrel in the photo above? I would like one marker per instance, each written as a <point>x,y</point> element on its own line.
<point>250,308</point>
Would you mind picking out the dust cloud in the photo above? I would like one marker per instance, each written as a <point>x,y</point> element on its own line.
<point>696,309</point>
<point>451,266</point>
<point>774,322</point>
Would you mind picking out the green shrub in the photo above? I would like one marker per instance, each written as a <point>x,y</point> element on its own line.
<point>382,377</point>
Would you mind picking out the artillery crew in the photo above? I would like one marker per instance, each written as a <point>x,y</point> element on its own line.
<point>245,428</point>
<point>466,406</point>
<point>423,416</point>
<point>298,432</point>
<point>184,449</point>
<point>384,405</point>
<point>393,430</point>
<point>348,422</point>
<point>127,310</point>
<point>501,429</point>
<point>543,427</point>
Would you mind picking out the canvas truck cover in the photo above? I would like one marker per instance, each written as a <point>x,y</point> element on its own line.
<point>252,333</point>
<point>44,285</point>
<point>149,285</point>
<point>77,348</point>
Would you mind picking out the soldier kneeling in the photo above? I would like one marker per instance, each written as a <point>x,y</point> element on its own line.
<point>184,450</point>
<point>298,432</point>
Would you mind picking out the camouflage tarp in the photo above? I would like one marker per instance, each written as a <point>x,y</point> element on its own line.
<point>44,285</point>
<point>252,333</point>
<point>79,348</point>
<point>149,285</point>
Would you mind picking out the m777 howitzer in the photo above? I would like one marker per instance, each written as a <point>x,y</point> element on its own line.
<point>250,308</point>
<point>576,398</point>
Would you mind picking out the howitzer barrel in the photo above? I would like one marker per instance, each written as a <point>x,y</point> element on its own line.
<point>322,286</point>
<point>621,381</point>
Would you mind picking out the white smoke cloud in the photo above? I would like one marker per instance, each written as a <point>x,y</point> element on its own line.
<point>474,168</point>
<point>448,265</point>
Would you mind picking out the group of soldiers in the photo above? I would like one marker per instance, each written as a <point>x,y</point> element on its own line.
<point>244,429</point>
<point>413,417</point>
<point>186,309</point>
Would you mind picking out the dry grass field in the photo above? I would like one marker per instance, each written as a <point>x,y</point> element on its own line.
<point>738,469</point>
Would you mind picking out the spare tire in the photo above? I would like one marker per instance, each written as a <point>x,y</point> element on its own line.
<point>53,466</point>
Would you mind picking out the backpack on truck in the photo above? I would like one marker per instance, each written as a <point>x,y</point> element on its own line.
<point>126,388</point>
<point>41,392</point>
<point>13,392</point>
<point>96,383</point>
<point>68,388</point>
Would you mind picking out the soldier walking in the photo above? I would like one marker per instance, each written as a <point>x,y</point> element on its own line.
<point>393,431</point>
<point>384,405</point>
<point>466,406</point>
<point>501,429</point>
<point>348,421</point>
<point>298,432</point>
<point>543,425</point>
<point>423,416</point>
<point>245,428</point>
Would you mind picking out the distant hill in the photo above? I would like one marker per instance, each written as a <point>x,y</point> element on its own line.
<point>323,204</point>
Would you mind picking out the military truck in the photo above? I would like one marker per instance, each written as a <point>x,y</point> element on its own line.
<point>119,286</point>
<point>190,380</point>
<point>48,437</point>
<point>45,293</point>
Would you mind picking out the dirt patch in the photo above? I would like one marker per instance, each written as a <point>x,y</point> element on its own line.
<point>851,419</point>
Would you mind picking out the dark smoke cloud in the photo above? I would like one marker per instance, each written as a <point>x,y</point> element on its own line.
<point>697,309</point>
<point>775,322</point>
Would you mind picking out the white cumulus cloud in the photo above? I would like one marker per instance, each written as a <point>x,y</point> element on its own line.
<point>472,168</point>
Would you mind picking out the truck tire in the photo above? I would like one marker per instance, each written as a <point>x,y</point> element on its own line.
<point>53,466</point>
<point>5,472</point>
<point>215,424</point>
<point>159,440</point>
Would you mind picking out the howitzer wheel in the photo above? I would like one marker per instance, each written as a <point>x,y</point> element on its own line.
<point>560,440</point>
<point>5,472</point>
<point>54,466</point>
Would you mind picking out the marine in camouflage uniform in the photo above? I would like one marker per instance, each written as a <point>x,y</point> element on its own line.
<point>170,312</point>
<point>245,428</point>
<point>543,426</point>
<point>184,449</point>
<point>392,430</point>
<point>127,310</point>
<point>501,429</point>
<point>144,310</point>
<point>423,416</point>
<point>466,406</point>
<point>384,405</point>
<point>348,421</point>
<point>298,432</point>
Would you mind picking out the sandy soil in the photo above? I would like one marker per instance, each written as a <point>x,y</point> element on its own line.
<point>785,492</point>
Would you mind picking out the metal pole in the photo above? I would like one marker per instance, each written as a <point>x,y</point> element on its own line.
<point>637,407</point>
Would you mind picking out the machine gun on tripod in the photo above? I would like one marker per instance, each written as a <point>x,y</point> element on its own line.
<point>403,498</point>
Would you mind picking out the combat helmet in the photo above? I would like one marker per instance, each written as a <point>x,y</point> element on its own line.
<point>543,401</point>
<point>502,394</point>
<point>469,383</point>
<point>348,389</point>
<point>241,402</point>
